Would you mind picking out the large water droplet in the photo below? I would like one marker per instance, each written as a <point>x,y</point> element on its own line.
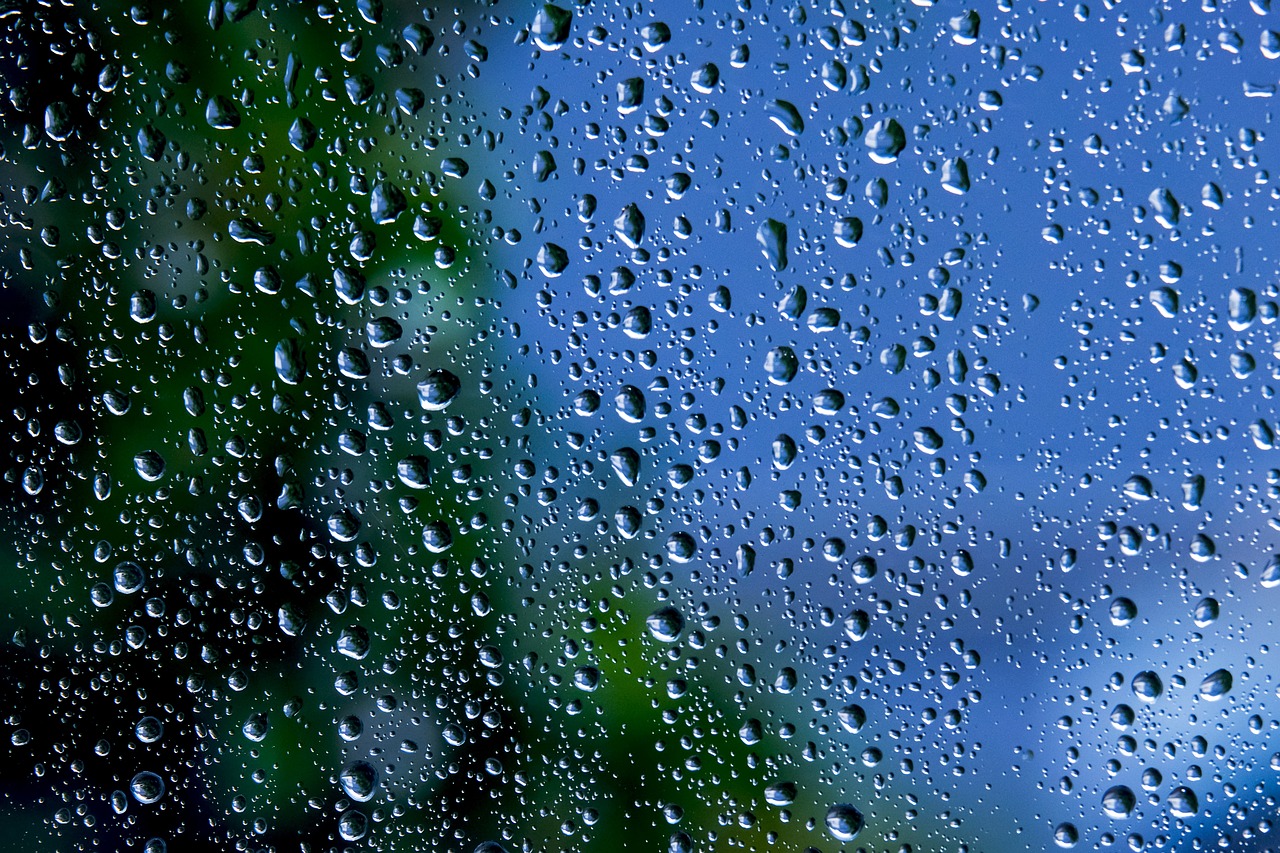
<point>772,236</point>
<point>149,465</point>
<point>437,536</point>
<point>886,139</point>
<point>255,728</point>
<point>1147,686</point>
<point>128,577</point>
<point>290,361</point>
<point>780,794</point>
<point>1215,685</point>
<point>844,822</point>
<point>681,547</point>
<point>1183,802</point>
<point>414,472</point>
<point>630,404</point>
<point>955,176</point>
<point>1065,835</point>
<point>665,624</point>
<point>1118,802</point>
<point>1165,207</point>
<point>781,365</point>
<point>359,780</point>
<point>629,226</point>
<point>146,787</point>
<point>221,113</point>
<point>785,115</point>
<point>438,390</point>
<point>551,27</point>
<point>705,78</point>
<point>1122,611</point>
<point>626,464</point>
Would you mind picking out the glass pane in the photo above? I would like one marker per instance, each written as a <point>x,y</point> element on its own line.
<point>681,426</point>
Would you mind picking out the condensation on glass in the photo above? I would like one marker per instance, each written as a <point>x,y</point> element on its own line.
<point>680,425</point>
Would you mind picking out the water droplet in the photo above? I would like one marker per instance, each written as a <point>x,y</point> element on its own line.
<point>626,464</point>
<point>791,306</point>
<point>350,728</point>
<point>1122,611</point>
<point>437,537</point>
<point>1138,488</point>
<point>250,232</point>
<point>553,260</point>
<point>386,202</point>
<point>353,642</point>
<point>303,135</point>
<point>128,577</point>
<point>58,123</point>
<point>1147,686</point>
<point>656,36</point>
<point>638,322</point>
<point>927,440</point>
<point>151,143</point>
<point>705,78</point>
<point>864,569</point>
<point>630,95</point>
<point>780,794</point>
<point>1183,802</point>
<point>359,780</point>
<point>1165,207</point>
<point>1242,308</point>
<point>848,231</point>
<point>149,465</point>
<point>1065,835</point>
<point>586,678</point>
<point>221,113</point>
<point>353,825</point>
<point>101,595</point>
<point>852,718</point>
<point>886,139</point>
<point>343,525</point>
<point>1206,612</point>
<point>551,27</point>
<point>1215,685</point>
<point>438,390</point>
<point>834,75</point>
<point>290,361</point>
<point>665,624</point>
<point>785,115</point>
<point>955,176</point>
<point>146,787</point>
<point>414,472</point>
<point>255,728</point>
<point>1165,300</point>
<point>781,365</point>
<point>1118,802</point>
<point>148,730</point>
<point>681,547</point>
<point>844,822</point>
<point>964,28</point>
<point>383,332</point>
<point>772,236</point>
<point>828,402</point>
<point>630,404</point>
<point>629,226</point>
<point>291,619</point>
<point>1271,572</point>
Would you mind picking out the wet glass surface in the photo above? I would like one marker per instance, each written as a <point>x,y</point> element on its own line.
<point>682,426</point>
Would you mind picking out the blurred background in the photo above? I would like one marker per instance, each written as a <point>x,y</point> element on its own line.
<point>677,426</point>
